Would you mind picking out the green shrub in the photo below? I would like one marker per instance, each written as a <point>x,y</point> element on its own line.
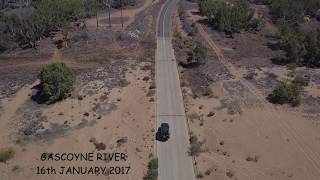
<point>193,30</point>
<point>194,116</point>
<point>153,164</point>
<point>195,146</point>
<point>312,47</point>
<point>152,173</point>
<point>56,82</point>
<point>286,93</point>
<point>198,54</point>
<point>300,49</point>
<point>292,43</point>
<point>301,81</point>
<point>6,154</point>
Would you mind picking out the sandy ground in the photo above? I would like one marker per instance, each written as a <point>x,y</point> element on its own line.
<point>285,143</point>
<point>244,136</point>
<point>110,111</point>
<point>131,118</point>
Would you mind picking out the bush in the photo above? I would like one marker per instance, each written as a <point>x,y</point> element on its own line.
<point>193,30</point>
<point>194,116</point>
<point>152,173</point>
<point>312,47</point>
<point>153,164</point>
<point>301,81</point>
<point>6,154</point>
<point>198,54</point>
<point>300,49</point>
<point>286,93</point>
<point>195,146</point>
<point>292,43</point>
<point>56,82</point>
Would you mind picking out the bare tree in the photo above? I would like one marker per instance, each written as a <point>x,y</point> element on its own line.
<point>3,4</point>
<point>121,5</point>
<point>107,3</point>
<point>24,3</point>
<point>27,3</point>
<point>96,8</point>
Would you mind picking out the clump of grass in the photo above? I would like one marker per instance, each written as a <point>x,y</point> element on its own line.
<point>6,154</point>
<point>230,173</point>
<point>194,116</point>
<point>208,172</point>
<point>15,168</point>
<point>193,30</point>
<point>207,92</point>
<point>195,146</point>
<point>301,80</point>
<point>200,175</point>
<point>252,158</point>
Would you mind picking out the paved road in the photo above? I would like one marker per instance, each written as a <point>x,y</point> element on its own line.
<point>174,161</point>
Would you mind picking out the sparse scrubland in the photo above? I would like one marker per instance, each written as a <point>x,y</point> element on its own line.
<point>262,72</point>
<point>70,85</point>
<point>45,17</point>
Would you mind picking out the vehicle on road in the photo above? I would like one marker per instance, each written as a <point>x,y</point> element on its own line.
<point>163,133</point>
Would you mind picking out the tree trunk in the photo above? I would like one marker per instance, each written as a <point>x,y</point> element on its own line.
<point>109,7</point>
<point>97,13</point>
<point>121,4</point>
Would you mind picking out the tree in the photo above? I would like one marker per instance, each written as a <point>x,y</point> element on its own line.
<point>107,3</point>
<point>228,16</point>
<point>56,82</point>
<point>292,11</point>
<point>292,42</point>
<point>312,46</point>
<point>122,3</point>
<point>47,16</point>
<point>289,11</point>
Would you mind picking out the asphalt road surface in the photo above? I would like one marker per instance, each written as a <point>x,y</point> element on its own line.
<point>174,161</point>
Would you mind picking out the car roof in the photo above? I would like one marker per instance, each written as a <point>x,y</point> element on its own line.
<point>165,124</point>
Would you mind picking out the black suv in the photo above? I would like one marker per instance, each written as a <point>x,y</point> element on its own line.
<point>163,132</point>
